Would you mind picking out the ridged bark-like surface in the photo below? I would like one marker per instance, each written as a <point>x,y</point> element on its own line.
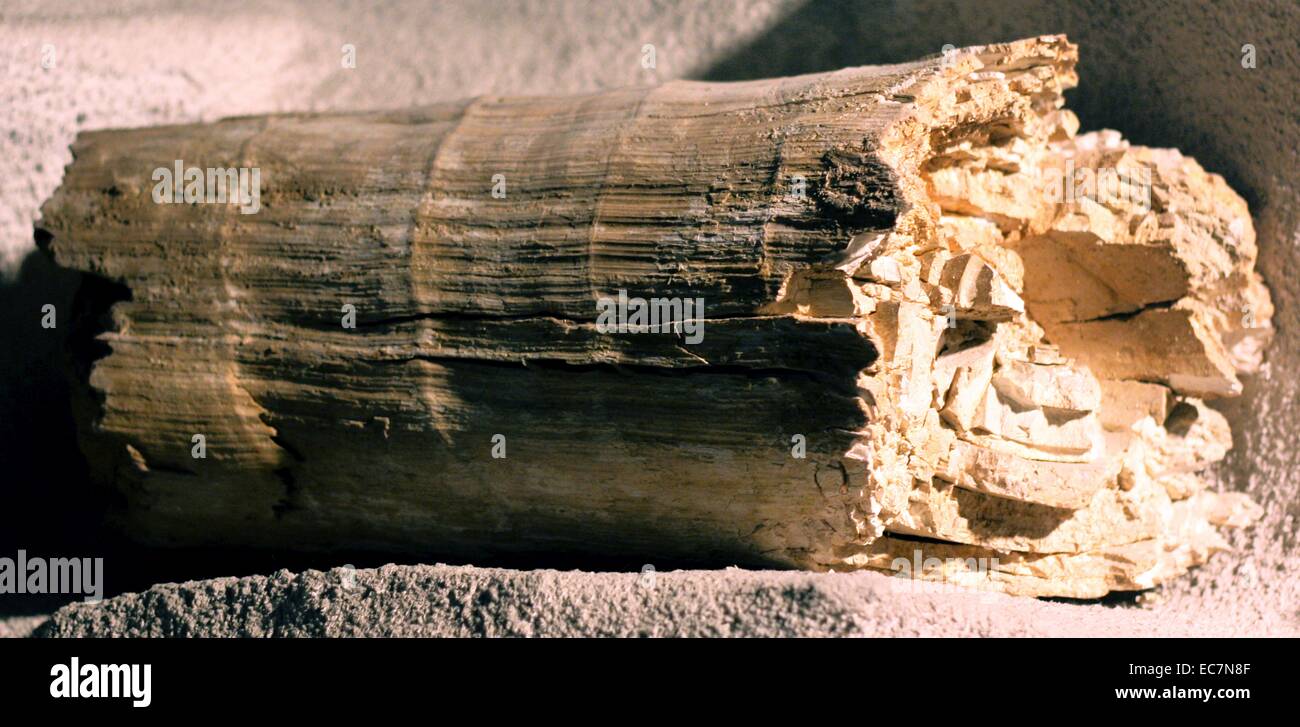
<point>983,373</point>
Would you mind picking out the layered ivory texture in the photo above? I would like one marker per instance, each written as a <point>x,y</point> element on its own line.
<point>941,332</point>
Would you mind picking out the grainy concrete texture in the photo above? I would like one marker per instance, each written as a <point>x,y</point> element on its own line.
<point>1165,72</point>
<point>440,600</point>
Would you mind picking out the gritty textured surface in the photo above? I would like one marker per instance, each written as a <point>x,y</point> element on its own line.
<point>19,626</point>
<point>1166,72</point>
<point>462,601</point>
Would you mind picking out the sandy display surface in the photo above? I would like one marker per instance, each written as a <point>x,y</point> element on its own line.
<point>463,601</point>
<point>1165,73</point>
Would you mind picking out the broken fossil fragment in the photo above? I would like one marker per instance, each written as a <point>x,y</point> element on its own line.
<point>939,326</point>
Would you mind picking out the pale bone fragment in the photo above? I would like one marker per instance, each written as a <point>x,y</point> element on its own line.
<point>1058,484</point>
<point>1229,509</point>
<point>964,397</point>
<point>971,286</point>
<point>1034,433</point>
<point>1031,384</point>
<point>1125,403</point>
<point>1190,359</point>
<point>946,366</point>
<point>1192,437</point>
